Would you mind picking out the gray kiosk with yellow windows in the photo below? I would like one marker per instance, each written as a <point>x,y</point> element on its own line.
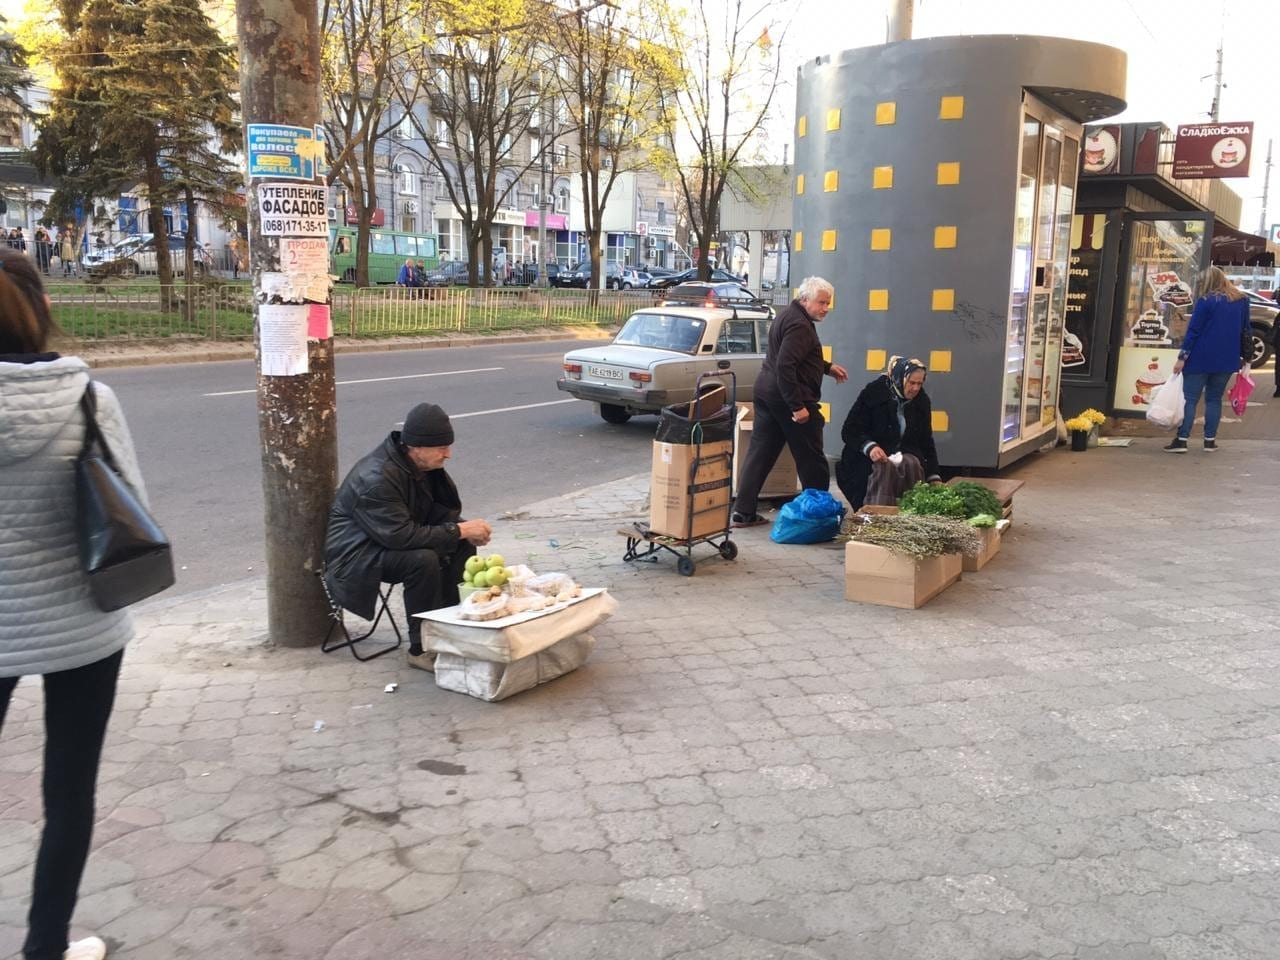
<point>934,186</point>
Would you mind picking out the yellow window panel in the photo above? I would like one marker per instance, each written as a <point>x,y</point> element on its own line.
<point>799,184</point>
<point>951,108</point>
<point>941,422</point>
<point>877,359</point>
<point>802,126</point>
<point>831,181</point>
<point>886,113</point>
<point>799,240</point>
<point>944,238</point>
<point>828,240</point>
<point>833,119</point>
<point>939,361</point>
<point>948,174</point>
<point>824,408</point>
<point>878,300</point>
<point>881,238</point>
<point>826,352</point>
<point>882,178</point>
<point>944,299</point>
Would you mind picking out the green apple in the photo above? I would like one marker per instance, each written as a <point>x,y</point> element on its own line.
<point>480,579</point>
<point>466,576</point>
<point>496,576</point>
<point>494,560</point>
<point>475,564</point>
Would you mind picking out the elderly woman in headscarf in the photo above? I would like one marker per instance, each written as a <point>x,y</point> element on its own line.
<point>888,437</point>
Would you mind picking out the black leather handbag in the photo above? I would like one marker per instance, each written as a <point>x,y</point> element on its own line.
<point>122,549</point>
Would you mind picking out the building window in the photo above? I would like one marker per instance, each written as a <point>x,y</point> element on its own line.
<point>404,129</point>
<point>408,181</point>
<point>562,200</point>
<point>662,211</point>
<point>442,130</point>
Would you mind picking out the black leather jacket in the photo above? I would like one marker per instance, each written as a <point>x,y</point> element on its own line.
<point>386,503</point>
<point>793,365</point>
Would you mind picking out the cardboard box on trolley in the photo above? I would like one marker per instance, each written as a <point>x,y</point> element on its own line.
<point>782,480</point>
<point>692,465</point>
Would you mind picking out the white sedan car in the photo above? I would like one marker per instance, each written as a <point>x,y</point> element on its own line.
<point>656,358</point>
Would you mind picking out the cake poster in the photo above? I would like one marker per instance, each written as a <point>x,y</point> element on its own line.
<point>1101,154</point>
<point>1205,151</point>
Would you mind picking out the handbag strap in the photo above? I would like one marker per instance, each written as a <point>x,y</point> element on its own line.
<point>92,432</point>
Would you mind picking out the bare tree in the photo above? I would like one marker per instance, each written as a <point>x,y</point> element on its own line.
<point>609,76</point>
<point>731,75</point>
<point>479,75</point>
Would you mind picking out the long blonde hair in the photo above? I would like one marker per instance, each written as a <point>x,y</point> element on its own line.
<point>1215,283</point>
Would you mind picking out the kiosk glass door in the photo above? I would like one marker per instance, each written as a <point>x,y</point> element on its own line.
<point>1041,245</point>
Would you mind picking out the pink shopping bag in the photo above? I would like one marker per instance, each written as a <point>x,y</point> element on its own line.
<point>1240,390</point>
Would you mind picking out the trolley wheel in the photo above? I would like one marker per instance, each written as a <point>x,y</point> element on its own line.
<point>729,550</point>
<point>684,566</point>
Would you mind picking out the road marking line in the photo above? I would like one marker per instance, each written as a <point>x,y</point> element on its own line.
<point>523,406</point>
<point>344,383</point>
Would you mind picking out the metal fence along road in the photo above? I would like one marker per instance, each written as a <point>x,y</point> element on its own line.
<point>224,311</point>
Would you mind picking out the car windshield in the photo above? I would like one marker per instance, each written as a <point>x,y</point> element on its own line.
<point>662,332</point>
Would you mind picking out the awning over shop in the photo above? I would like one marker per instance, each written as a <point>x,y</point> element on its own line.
<point>1237,248</point>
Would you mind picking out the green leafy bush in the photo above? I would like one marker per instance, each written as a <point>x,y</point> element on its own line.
<point>977,498</point>
<point>925,499</point>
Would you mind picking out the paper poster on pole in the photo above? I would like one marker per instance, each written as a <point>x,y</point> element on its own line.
<point>293,210</point>
<point>319,322</point>
<point>282,332</point>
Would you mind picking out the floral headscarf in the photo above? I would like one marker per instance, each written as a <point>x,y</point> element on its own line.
<point>899,369</point>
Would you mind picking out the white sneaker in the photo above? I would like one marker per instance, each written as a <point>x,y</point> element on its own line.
<point>90,948</point>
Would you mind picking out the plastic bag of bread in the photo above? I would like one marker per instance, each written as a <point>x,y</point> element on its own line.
<point>518,578</point>
<point>483,606</point>
<point>551,584</point>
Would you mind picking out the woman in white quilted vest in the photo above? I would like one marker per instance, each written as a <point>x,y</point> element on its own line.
<point>49,624</point>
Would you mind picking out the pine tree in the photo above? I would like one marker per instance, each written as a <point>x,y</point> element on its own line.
<point>146,96</point>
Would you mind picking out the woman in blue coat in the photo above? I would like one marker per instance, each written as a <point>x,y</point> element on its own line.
<point>1212,351</point>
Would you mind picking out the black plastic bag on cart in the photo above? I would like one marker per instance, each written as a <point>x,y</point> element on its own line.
<point>708,419</point>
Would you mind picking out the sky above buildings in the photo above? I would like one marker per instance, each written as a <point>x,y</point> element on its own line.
<point>1171,46</point>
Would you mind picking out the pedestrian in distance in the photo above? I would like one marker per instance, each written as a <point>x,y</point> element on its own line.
<point>888,437</point>
<point>1218,343</point>
<point>44,249</point>
<point>407,277</point>
<point>67,252</point>
<point>51,626</point>
<point>397,518</point>
<point>785,398</point>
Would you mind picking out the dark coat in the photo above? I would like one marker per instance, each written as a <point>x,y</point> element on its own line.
<point>386,503</point>
<point>793,367</point>
<point>873,420</point>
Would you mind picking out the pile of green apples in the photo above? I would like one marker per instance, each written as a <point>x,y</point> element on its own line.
<point>490,571</point>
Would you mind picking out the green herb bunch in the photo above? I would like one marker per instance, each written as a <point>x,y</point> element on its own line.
<point>916,535</point>
<point>977,498</point>
<point>927,499</point>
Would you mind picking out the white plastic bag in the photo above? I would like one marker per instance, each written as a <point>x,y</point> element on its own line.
<point>1167,404</point>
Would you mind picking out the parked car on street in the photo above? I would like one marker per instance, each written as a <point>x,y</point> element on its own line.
<point>579,275</point>
<point>136,254</point>
<point>448,273</point>
<point>702,293</point>
<point>1262,318</point>
<point>717,276</point>
<point>633,278</point>
<point>657,356</point>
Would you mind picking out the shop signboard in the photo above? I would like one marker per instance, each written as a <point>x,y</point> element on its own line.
<point>1101,153</point>
<point>1162,260</point>
<point>1088,236</point>
<point>1274,233</point>
<point>1205,151</point>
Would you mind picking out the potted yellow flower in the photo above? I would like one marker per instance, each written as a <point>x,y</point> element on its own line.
<point>1079,427</point>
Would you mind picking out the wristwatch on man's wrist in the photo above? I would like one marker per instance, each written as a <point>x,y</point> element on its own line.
<point>452,529</point>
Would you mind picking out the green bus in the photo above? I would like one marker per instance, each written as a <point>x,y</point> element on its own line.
<point>388,250</point>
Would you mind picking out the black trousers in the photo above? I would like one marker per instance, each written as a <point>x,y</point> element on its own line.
<point>77,705</point>
<point>772,430</point>
<point>430,582</point>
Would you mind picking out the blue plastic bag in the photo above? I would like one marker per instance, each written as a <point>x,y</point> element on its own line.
<point>812,517</point>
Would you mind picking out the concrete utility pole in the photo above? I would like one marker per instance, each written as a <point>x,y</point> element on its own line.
<point>288,244</point>
<point>1266,187</point>
<point>1217,87</point>
<point>901,17</point>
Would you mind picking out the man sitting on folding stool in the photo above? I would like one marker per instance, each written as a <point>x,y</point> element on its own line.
<point>397,518</point>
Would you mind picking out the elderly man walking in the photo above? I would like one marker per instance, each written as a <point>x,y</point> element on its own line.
<point>786,398</point>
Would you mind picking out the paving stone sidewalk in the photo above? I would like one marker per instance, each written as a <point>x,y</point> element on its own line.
<point>1074,753</point>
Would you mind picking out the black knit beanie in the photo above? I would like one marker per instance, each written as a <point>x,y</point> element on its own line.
<point>427,426</point>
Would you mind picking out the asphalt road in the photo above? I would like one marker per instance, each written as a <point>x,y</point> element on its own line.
<point>518,439</point>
